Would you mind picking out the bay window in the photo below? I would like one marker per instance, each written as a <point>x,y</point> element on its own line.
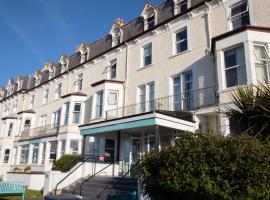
<point>235,68</point>
<point>24,154</point>
<point>77,113</point>
<point>35,153</point>
<point>99,104</point>
<point>262,60</point>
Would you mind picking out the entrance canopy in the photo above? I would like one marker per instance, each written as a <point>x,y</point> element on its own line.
<point>174,120</point>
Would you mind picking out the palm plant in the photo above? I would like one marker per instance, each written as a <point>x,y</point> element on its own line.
<point>250,111</point>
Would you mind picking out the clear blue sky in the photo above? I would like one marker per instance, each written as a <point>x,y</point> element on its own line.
<point>33,32</point>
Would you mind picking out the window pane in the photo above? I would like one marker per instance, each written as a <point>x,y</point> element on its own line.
<point>231,77</point>
<point>77,107</point>
<point>262,73</point>
<point>230,58</point>
<point>148,60</point>
<point>240,15</point>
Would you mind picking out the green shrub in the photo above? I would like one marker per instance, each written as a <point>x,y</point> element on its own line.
<point>208,167</point>
<point>66,162</point>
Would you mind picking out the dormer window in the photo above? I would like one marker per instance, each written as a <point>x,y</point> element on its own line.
<point>64,63</point>
<point>10,90</point>
<point>149,14</point>
<point>180,6</point>
<point>51,73</point>
<point>84,50</point>
<point>37,81</point>
<point>116,37</point>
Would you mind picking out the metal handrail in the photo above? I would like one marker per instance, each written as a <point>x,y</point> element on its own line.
<point>121,179</point>
<point>92,176</point>
<point>55,190</point>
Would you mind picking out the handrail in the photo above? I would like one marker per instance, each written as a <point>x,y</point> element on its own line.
<point>92,176</point>
<point>83,161</point>
<point>121,179</point>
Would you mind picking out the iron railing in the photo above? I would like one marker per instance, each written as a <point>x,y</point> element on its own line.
<point>187,101</point>
<point>40,132</point>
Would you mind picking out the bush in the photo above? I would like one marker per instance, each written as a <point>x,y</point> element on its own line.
<point>208,167</point>
<point>27,169</point>
<point>66,162</point>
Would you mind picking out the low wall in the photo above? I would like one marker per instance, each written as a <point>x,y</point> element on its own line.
<point>33,181</point>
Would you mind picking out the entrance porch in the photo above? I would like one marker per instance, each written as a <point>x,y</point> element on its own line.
<point>126,139</point>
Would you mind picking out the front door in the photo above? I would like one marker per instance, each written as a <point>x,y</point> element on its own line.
<point>109,149</point>
<point>136,149</point>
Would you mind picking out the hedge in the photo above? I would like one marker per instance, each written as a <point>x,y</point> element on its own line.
<point>66,162</point>
<point>208,167</point>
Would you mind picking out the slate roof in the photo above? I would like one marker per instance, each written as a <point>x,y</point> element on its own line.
<point>165,11</point>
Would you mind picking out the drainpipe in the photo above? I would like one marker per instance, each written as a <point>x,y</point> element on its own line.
<point>126,75</point>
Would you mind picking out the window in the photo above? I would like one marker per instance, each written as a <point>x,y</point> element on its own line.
<point>74,147</point>
<point>38,78</point>
<point>113,70</point>
<point>116,37</point>
<point>147,55</point>
<point>181,6</point>
<point>181,44</point>
<point>45,96</point>
<point>24,154</point>
<point>58,91</point>
<point>32,101</point>
<point>35,153</point>
<point>188,97</point>
<point>240,15</point>
<point>10,129</point>
<point>235,69</point>
<point>113,98</point>
<point>43,153</point>
<point>142,98</point>
<point>42,121</point>
<point>64,67</point>
<point>6,156</point>
<point>56,118</point>
<point>66,114</point>
<point>99,104</point>
<point>78,82</point>
<point>53,150</point>
<point>150,22</point>
<point>177,93</point>
<point>151,96</point>
<point>51,73</point>
<point>63,147</point>
<point>262,60</point>
<point>77,113</point>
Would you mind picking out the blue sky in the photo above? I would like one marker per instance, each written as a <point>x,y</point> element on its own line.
<point>34,32</point>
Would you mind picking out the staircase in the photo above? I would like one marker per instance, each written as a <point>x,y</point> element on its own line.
<point>103,188</point>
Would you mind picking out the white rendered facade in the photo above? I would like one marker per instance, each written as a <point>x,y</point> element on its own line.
<point>182,64</point>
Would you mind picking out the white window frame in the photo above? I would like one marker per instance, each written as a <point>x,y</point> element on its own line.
<point>99,104</point>
<point>66,113</point>
<point>232,18</point>
<point>109,98</point>
<point>79,82</point>
<point>265,61</point>
<point>144,56</point>
<point>45,96</point>
<point>75,113</point>
<point>178,4</point>
<point>180,41</point>
<point>32,101</point>
<point>6,155</point>
<point>58,91</point>
<point>10,129</point>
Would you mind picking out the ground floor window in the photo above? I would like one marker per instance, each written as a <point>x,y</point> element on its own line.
<point>53,150</point>
<point>63,147</point>
<point>74,146</point>
<point>43,153</point>
<point>35,153</point>
<point>24,154</point>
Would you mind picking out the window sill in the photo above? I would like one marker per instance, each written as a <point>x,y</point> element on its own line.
<point>181,53</point>
<point>145,67</point>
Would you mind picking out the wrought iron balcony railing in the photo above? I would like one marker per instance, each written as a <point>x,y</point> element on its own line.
<point>40,132</point>
<point>187,101</point>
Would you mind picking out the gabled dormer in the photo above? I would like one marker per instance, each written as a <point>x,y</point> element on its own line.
<point>51,69</point>
<point>149,15</point>
<point>117,32</point>
<point>180,6</point>
<point>10,86</point>
<point>84,49</point>
<point>63,62</point>
<point>19,82</point>
<point>37,77</point>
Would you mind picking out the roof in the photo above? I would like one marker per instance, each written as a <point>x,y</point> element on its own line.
<point>131,30</point>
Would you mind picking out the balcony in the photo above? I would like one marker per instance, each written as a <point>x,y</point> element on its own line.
<point>187,101</point>
<point>40,132</point>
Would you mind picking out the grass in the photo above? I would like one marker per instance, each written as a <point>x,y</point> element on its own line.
<point>29,195</point>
